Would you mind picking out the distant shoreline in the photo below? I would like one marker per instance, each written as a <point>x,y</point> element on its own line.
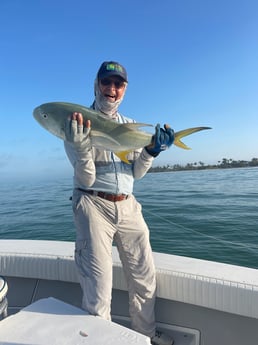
<point>223,164</point>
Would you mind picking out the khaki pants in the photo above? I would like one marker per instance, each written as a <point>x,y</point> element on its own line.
<point>98,222</point>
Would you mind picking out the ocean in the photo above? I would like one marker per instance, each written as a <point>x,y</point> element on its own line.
<point>206,214</point>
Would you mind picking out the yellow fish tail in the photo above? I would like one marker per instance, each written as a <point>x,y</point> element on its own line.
<point>178,135</point>
<point>184,133</point>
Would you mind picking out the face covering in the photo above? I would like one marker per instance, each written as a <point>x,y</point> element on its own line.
<point>103,105</point>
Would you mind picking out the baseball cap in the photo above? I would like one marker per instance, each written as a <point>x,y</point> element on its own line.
<point>110,68</point>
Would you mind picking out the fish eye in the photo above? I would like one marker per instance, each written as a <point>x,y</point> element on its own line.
<point>44,115</point>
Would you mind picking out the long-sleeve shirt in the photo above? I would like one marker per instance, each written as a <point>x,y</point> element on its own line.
<point>102,170</point>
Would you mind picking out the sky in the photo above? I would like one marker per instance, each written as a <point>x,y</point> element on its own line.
<point>189,62</point>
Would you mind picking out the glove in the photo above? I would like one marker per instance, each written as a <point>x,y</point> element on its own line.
<point>77,133</point>
<point>161,140</point>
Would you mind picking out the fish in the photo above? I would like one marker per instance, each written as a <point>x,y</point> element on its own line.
<point>106,134</point>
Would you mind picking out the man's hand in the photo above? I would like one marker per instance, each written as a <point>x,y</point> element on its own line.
<point>77,133</point>
<point>161,140</point>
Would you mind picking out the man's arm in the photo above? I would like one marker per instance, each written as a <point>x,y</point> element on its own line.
<point>79,151</point>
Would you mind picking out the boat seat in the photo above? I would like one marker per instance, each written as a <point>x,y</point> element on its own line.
<point>3,298</point>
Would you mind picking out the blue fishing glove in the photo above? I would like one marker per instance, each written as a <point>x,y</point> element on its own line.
<point>161,140</point>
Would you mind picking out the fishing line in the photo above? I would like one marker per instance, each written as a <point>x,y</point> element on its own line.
<point>250,248</point>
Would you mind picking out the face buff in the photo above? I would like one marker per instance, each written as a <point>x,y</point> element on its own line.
<point>103,105</point>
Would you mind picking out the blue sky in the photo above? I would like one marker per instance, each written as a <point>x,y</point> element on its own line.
<point>190,63</point>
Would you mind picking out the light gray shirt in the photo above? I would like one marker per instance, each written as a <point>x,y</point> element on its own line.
<point>102,170</point>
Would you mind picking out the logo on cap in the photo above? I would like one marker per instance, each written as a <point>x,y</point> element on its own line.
<point>114,67</point>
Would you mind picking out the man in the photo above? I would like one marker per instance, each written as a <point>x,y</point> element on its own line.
<point>106,210</point>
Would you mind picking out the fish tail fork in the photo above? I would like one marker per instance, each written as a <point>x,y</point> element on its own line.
<point>184,133</point>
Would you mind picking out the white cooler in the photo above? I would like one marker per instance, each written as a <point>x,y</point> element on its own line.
<point>50,321</point>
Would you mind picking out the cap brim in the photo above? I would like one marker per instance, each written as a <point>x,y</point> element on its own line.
<point>112,73</point>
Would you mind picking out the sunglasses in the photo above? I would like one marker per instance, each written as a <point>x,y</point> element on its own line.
<point>118,83</point>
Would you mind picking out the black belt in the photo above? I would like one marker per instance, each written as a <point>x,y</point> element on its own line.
<point>107,196</point>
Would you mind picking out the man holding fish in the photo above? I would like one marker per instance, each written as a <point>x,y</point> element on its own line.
<point>105,209</point>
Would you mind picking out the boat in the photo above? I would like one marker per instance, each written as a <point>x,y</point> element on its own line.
<point>199,302</point>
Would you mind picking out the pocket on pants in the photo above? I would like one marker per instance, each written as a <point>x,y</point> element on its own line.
<point>81,257</point>
<point>77,198</point>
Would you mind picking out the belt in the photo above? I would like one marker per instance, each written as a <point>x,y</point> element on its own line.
<point>107,196</point>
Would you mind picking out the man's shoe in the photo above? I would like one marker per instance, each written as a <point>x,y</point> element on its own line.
<point>161,339</point>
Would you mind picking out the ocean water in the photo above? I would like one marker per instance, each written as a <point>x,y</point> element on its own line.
<point>206,214</point>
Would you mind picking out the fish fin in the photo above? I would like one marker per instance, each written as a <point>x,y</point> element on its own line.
<point>123,156</point>
<point>135,125</point>
<point>184,133</point>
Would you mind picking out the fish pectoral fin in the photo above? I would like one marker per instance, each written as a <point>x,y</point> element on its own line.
<point>184,133</point>
<point>123,156</point>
